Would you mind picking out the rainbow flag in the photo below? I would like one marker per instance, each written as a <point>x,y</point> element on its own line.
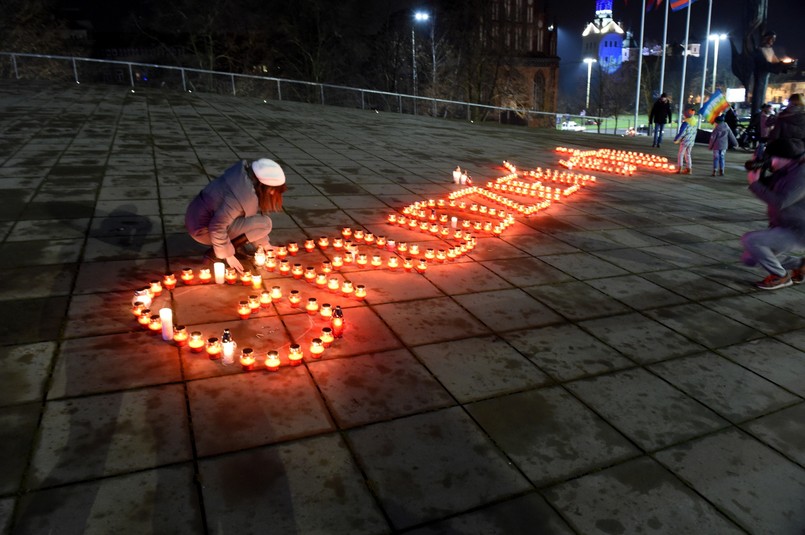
<point>715,106</point>
<point>676,5</point>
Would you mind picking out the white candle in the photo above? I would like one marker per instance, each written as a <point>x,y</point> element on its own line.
<point>166,317</point>
<point>229,352</point>
<point>218,269</point>
<point>454,221</point>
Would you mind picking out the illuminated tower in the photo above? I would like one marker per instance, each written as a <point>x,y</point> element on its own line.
<point>602,39</point>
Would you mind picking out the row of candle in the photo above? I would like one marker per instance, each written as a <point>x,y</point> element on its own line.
<point>612,161</point>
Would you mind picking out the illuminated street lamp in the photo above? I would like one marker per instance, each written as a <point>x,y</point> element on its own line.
<point>423,16</point>
<point>717,37</point>
<point>589,62</point>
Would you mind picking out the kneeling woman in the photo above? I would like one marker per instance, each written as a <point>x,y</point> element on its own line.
<point>232,210</point>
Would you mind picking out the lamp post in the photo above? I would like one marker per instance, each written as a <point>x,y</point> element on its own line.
<point>589,62</point>
<point>424,16</point>
<point>717,37</point>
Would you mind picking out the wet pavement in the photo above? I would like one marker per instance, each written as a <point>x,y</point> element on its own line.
<point>604,366</point>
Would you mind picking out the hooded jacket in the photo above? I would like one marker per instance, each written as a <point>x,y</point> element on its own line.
<point>789,124</point>
<point>722,137</point>
<point>785,199</point>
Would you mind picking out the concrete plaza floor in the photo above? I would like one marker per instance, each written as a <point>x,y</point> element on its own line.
<point>604,366</point>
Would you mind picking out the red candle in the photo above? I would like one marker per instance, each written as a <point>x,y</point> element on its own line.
<point>295,355</point>
<point>247,358</point>
<point>196,342</point>
<point>187,275</point>
<point>169,281</point>
<point>326,336</point>
<point>272,361</point>
<point>230,275</point>
<point>316,348</point>
<point>180,335</point>
<point>312,306</point>
<point>244,311</point>
<point>214,348</point>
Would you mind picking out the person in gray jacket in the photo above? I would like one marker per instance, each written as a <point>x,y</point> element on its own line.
<point>721,138</point>
<point>784,194</point>
<point>233,209</point>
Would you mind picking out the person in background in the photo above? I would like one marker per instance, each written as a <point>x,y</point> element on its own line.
<point>660,115</point>
<point>720,140</point>
<point>686,138</point>
<point>731,118</point>
<point>784,196</point>
<point>790,123</point>
<point>232,210</point>
<point>764,128</point>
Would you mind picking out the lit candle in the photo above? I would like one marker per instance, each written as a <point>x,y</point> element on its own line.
<point>402,247</point>
<point>214,348</point>
<point>294,298</point>
<point>326,266</point>
<point>408,263</point>
<point>360,292</point>
<point>310,274</point>
<point>272,361</point>
<point>219,269</point>
<point>347,288</point>
<point>326,310</point>
<point>333,285</point>
<point>187,275</point>
<point>391,245</point>
<point>257,282</point>
<point>137,308</point>
<point>282,252</point>
<point>312,306</point>
<point>293,248</point>
<point>228,346</point>
<point>369,238</point>
<point>166,323</point>
<point>271,264</point>
<point>377,261</point>
<point>393,262</point>
<point>144,318</point>
<point>265,298</point>
<point>430,254</point>
<point>422,266</point>
<point>414,249</point>
<point>180,335</point>
<point>316,348</point>
<point>346,232</point>
<point>295,354</point>
<point>156,288</point>
<point>297,271</point>
<point>310,245</point>
<point>246,278</point>
<point>285,267</point>
<point>338,261</point>
<point>358,235</point>
<point>196,342</point>
<point>321,280</point>
<point>169,281</point>
<point>254,302</point>
<point>259,257</point>
<point>276,292</point>
<point>204,275</point>
<point>244,311</point>
<point>362,259</point>
<point>230,275</point>
<point>338,243</point>
<point>327,337</point>
<point>324,242</point>
<point>441,255</point>
<point>381,241</point>
<point>337,322</point>
<point>155,323</point>
<point>247,358</point>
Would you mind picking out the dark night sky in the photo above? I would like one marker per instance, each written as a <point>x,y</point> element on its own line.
<point>572,16</point>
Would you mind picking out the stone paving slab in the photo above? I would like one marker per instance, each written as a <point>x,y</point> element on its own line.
<point>604,366</point>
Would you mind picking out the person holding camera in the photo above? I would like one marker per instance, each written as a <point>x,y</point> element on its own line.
<point>784,195</point>
<point>659,115</point>
<point>232,210</point>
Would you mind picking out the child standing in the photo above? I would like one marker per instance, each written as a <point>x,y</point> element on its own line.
<point>685,138</point>
<point>721,139</point>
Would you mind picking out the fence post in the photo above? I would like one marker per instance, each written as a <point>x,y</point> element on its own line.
<point>321,89</point>
<point>469,113</point>
<point>131,76</point>
<point>14,61</point>
<point>75,72</point>
<point>279,90</point>
<point>399,103</point>
<point>184,82</point>
<point>362,105</point>
<point>232,77</point>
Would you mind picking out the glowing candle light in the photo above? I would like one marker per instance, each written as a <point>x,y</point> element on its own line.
<point>338,243</point>
<point>244,310</point>
<point>422,266</point>
<point>324,242</point>
<point>228,346</point>
<point>326,310</point>
<point>214,348</point>
<point>441,255</point>
<point>169,281</point>
<point>369,238</point>
<point>430,254</point>
<point>257,282</point>
<point>338,261</point>
<point>312,306</point>
<point>144,318</point>
<point>247,358</point>
<point>402,247</point>
<point>293,248</point>
<point>393,262</point>
<point>327,337</point>
<point>333,284</point>
<point>408,263</point>
<point>230,276</point>
<point>381,241</point>
<point>254,302</point>
<point>156,288</point>
<point>196,342</point>
<point>321,280</point>
<point>271,264</point>
<point>310,274</point>
<point>392,219</point>
<point>326,266</point>
<point>377,261</point>
<point>285,267</point>
<point>155,323</point>
<point>310,245</point>
<point>259,257</point>
<point>391,245</point>
<point>295,354</point>
<point>362,259</point>
<point>294,298</point>
<point>204,275</point>
<point>282,252</point>
<point>413,250</point>
<point>265,299</point>
<point>357,235</point>
<point>246,278</point>
<point>337,322</point>
<point>347,288</point>
<point>346,232</point>
<point>360,292</point>
<point>272,361</point>
<point>137,308</point>
<point>166,323</point>
<point>276,292</point>
<point>316,348</point>
<point>297,271</point>
<point>187,275</point>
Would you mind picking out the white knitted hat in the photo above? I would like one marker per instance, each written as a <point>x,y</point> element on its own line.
<point>268,172</point>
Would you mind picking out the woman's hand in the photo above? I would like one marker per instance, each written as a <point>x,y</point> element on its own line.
<point>234,263</point>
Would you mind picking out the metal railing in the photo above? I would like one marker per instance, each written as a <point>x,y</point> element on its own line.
<point>148,75</point>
